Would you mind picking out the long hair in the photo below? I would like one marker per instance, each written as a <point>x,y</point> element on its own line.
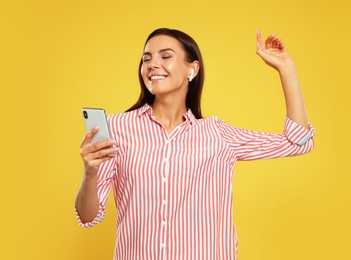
<point>192,53</point>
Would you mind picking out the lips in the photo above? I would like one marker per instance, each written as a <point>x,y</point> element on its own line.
<point>157,77</point>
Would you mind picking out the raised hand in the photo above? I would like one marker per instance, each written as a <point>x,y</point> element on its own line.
<point>273,52</point>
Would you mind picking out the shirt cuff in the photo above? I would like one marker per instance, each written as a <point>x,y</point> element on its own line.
<point>99,217</point>
<point>296,133</point>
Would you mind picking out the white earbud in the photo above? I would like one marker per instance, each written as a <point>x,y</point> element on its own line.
<point>191,75</point>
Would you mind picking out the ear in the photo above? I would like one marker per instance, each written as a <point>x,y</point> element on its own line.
<point>193,70</point>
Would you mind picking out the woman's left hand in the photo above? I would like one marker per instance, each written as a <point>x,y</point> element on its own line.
<point>273,51</point>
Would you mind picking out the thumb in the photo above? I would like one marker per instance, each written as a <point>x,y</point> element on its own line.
<point>259,44</point>
<point>259,49</point>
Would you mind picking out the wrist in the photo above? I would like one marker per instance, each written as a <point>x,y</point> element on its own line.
<point>287,68</point>
<point>90,175</point>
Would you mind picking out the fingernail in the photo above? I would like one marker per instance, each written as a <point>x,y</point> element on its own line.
<point>257,45</point>
<point>112,142</point>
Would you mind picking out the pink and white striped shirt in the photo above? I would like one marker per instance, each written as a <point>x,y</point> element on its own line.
<point>173,192</point>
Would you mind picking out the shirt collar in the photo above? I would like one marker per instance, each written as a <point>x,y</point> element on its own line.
<point>146,108</point>
<point>189,116</point>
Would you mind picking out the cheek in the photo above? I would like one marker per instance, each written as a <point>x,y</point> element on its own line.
<point>179,69</point>
<point>142,69</point>
<point>144,73</point>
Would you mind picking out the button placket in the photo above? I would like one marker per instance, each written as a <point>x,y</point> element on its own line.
<point>164,183</point>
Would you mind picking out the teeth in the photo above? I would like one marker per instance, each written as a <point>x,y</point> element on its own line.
<point>157,77</point>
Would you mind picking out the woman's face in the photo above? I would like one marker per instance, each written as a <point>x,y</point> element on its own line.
<point>164,68</point>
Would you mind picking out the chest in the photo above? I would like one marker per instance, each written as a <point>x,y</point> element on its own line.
<point>194,152</point>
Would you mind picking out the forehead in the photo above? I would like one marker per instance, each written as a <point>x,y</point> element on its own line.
<point>161,42</point>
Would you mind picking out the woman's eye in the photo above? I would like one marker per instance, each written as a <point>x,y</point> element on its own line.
<point>146,58</point>
<point>166,57</point>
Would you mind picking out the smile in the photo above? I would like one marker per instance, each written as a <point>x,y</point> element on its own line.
<point>156,77</point>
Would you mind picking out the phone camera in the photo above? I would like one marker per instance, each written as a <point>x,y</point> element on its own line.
<point>85,114</point>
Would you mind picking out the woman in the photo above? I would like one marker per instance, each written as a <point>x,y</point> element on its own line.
<point>172,170</point>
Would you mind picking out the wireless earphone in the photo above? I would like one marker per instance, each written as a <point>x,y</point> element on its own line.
<point>191,75</point>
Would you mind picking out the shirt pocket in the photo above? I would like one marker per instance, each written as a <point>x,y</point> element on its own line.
<point>196,162</point>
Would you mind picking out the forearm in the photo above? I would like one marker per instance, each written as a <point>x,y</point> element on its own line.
<point>87,202</point>
<point>295,107</point>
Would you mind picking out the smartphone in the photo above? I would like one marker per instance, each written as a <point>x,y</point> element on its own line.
<point>96,117</point>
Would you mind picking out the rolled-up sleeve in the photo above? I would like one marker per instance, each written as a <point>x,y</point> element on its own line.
<point>296,133</point>
<point>99,217</point>
<point>105,182</point>
<point>253,145</point>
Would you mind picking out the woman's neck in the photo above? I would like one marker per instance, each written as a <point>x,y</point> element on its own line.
<point>169,114</point>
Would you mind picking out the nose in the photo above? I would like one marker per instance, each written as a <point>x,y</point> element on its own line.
<point>154,64</point>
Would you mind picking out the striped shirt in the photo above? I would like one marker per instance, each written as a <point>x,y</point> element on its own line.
<point>173,192</point>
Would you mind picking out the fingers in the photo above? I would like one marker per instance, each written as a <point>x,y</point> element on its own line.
<point>269,41</point>
<point>96,158</point>
<point>99,149</point>
<point>86,143</point>
<point>259,37</point>
<point>274,43</point>
<point>96,154</point>
<point>89,136</point>
<point>259,44</point>
<point>92,165</point>
<point>277,43</point>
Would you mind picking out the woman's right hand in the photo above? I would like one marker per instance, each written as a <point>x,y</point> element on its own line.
<point>95,154</point>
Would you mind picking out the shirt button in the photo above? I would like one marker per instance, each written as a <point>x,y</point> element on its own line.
<point>164,202</point>
<point>163,245</point>
<point>165,159</point>
<point>164,179</point>
<point>163,222</point>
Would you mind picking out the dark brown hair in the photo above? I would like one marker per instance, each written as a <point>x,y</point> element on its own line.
<point>192,52</point>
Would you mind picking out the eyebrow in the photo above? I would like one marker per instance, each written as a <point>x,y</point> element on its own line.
<point>160,51</point>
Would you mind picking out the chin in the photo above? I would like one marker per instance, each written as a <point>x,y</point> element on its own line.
<point>151,90</point>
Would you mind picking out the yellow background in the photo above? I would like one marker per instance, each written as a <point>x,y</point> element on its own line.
<point>58,56</point>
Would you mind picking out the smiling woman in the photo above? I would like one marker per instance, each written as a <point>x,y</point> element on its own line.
<point>164,70</point>
<point>186,51</point>
<point>172,170</point>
